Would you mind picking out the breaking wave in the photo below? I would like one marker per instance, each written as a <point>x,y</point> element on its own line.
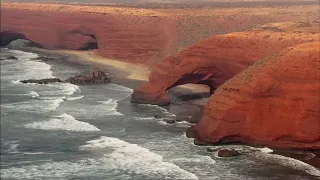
<point>137,160</point>
<point>62,122</point>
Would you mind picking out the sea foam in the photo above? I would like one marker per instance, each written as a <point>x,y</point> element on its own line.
<point>98,109</point>
<point>264,154</point>
<point>125,161</point>
<point>62,122</point>
<point>288,162</point>
<point>12,147</point>
<point>36,105</point>
<point>137,160</point>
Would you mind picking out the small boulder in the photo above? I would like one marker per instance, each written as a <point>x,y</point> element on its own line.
<point>227,153</point>
<point>157,116</point>
<point>200,142</point>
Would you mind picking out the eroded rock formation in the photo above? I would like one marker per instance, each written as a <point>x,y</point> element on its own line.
<point>274,102</point>
<point>93,77</point>
<point>132,34</point>
<point>215,60</point>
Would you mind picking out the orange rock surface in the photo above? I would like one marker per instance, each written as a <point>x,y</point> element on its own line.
<point>217,59</point>
<point>136,35</point>
<point>274,102</point>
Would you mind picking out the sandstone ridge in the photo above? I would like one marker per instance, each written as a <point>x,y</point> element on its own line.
<point>136,35</point>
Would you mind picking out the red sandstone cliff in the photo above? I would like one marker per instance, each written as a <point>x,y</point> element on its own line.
<point>217,59</point>
<point>133,34</point>
<point>275,102</point>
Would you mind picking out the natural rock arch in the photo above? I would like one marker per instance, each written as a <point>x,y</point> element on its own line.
<point>6,37</point>
<point>88,34</point>
<point>213,62</point>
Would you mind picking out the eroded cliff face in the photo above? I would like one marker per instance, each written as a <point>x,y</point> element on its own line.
<point>215,60</point>
<point>274,102</point>
<point>116,37</point>
<point>137,35</point>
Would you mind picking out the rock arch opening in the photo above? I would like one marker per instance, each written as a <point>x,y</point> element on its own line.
<point>192,87</point>
<point>92,44</point>
<point>196,78</point>
<point>7,37</point>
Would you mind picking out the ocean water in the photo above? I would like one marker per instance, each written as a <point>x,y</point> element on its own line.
<point>63,131</point>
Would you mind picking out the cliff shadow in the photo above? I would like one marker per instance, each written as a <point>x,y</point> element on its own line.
<point>193,96</point>
<point>90,45</point>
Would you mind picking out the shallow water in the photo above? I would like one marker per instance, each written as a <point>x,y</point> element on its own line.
<point>64,131</point>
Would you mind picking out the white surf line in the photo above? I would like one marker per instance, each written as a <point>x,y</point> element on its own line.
<point>136,160</point>
<point>62,122</point>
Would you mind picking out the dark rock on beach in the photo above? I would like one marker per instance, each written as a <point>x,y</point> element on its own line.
<point>190,133</point>
<point>170,121</point>
<point>93,77</point>
<point>157,116</point>
<point>42,81</point>
<point>227,153</point>
<point>44,58</point>
<point>10,57</point>
<point>200,142</point>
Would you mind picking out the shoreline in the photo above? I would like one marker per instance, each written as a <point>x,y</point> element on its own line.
<point>188,101</point>
<point>193,94</point>
<point>131,77</point>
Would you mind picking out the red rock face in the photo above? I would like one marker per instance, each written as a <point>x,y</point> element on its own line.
<point>117,37</point>
<point>143,36</point>
<point>214,61</point>
<point>274,102</point>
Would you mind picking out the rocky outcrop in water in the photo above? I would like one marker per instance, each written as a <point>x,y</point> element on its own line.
<point>227,153</point>
<point>274,102</point>
<point>10,57</point>
<point>93,77</point>
<point>44,58</point>
<point>42,81</point>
